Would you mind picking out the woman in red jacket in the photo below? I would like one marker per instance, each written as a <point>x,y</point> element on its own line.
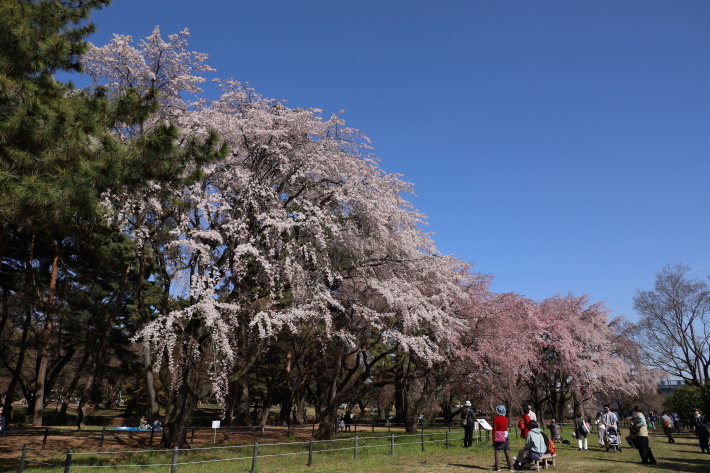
<point>525,423</point>
<point>500,438</point>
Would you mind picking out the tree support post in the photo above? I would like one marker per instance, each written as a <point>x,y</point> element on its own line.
<point>67,462</point>
<point>22,459</point>
<point>310,452</point>
<point>173,466</point>
<point>254,456</point>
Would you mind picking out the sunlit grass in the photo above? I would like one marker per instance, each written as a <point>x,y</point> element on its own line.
<point>374,454</point>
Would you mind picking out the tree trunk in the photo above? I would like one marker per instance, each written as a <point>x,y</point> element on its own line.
<point>147,359</point>
<point>238,404</point>
<point>74,383</point>
<point>44,341</point>
<point>179,409</point>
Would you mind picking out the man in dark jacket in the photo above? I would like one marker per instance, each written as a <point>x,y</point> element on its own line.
<point>3,422</point>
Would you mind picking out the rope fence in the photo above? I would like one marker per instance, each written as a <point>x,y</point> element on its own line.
<point>308,448</point>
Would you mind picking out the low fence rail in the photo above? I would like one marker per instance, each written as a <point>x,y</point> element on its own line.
<point>307,449</point>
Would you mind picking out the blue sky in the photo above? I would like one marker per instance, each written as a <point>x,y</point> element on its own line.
<point>560,146</point>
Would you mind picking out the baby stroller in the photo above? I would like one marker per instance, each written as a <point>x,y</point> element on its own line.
<point>612,439</point>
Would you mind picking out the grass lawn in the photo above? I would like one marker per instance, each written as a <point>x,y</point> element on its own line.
<point>683,456</point>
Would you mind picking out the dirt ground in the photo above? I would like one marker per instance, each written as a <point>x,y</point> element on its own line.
<point>62,440</point>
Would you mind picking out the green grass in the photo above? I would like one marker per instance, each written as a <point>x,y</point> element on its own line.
<point>374,455</point>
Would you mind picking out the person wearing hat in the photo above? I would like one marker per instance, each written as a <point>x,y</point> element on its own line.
<point>500,438</point>
<point>469,418</point>
<point>701,430</point>
<point>640,429</point>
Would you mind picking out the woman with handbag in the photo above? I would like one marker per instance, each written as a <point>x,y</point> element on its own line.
<point>500,438</point>
<point>581,429</point>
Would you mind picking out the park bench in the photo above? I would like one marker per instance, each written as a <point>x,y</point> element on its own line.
<point>544,460</point>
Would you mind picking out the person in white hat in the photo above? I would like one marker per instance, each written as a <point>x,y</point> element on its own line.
<point>469,418</point>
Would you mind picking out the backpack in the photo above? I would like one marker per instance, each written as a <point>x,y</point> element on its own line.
<point>551,449</point>
<point>521,424</point>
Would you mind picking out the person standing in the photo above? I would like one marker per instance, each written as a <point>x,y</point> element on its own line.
<point>580,431</point>
<point>531,414</point>
<point>3,422</point>
<point>79,417</point>
<point>468,417</point>
<point>701,430</point>
<point>640,428</point>
<point>667,423</point>
<point>676,422</point>
<point>500,438</point>
<point>601,429</point>
<point>609,418</point>
<point>524,423</point>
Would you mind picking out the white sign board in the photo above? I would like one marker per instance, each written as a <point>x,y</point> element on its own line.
<point>484,424</point>
<point>215,424</point>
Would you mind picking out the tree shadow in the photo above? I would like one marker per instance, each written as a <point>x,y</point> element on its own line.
<point>472,467</point>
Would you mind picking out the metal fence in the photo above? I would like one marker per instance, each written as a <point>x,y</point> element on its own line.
<point>306,449</point>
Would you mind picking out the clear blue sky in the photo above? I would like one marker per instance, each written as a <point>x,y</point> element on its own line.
<point>560,146</point>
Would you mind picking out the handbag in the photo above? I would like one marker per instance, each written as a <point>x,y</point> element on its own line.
<point>500,436</point>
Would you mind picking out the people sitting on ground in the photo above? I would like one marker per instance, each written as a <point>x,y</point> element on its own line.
<point>143,424</point>
<point>535,445</point>
<point>555,432</point>
<point>157,425</point>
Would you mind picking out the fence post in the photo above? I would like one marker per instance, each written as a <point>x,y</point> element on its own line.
<point>254,456</point>
<point>422,440</point>
<point>355,426</point>
<point>22,459</point>
<point>447,439</point>
<point>44,440</point>
<point>192,439</point>
<point>356,442</point>
<point>392,444</point>
<point>173,466</point>
<point>103,434</point>
<point>67,462</point>
<point>310,452</point>
<point>152,431</point>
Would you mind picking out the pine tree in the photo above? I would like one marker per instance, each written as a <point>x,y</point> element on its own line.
<point>59,152</point>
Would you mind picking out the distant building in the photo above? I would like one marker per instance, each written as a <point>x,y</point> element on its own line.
<point>669,385</point>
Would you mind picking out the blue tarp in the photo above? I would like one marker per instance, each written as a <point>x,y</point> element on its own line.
<point>126,428</point>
